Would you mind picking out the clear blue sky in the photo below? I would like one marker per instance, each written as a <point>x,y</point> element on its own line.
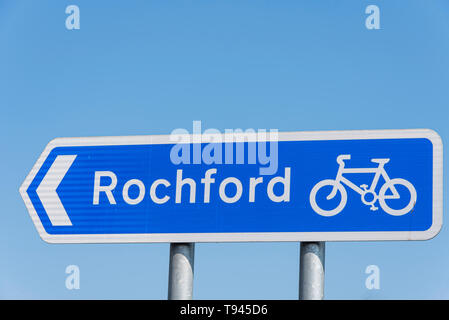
<point>148,67</point>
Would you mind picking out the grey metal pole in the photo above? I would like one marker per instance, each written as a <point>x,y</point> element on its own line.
<point>180,278</point>
<point>311,270</point>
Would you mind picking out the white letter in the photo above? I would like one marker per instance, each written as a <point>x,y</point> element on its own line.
<point>214,146</point>
<point>238,193</point>
<point>72,21</point>
<point>196,142</point>
<point>272,159</point>
<point>207,181</point>
<point>253,182</point>
<point>153,191</point>
<point>373,20</point>
<point>240,137</point>
<point>182,139</point>
<point>180,182</point>
<point>373,280</point>
<point>73,280</point>
<point>286,182</point>
<point>125,192</point>
<point>229,146</point>
<point>105,189</point>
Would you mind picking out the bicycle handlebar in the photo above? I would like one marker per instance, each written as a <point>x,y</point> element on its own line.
<point>342,158</point>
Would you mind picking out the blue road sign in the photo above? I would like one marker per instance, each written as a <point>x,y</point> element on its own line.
<point>305,186</point>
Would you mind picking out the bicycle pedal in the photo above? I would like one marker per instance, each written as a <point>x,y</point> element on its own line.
<point>374,208</point>
<point>364,186</point>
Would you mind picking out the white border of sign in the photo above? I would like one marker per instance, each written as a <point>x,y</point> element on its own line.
<point>437,214</point>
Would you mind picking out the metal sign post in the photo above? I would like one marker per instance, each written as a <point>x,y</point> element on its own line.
<point>311,270</point>
<point>181,269</point>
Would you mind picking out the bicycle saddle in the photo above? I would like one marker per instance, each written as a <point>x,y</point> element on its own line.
<point>380,160</point>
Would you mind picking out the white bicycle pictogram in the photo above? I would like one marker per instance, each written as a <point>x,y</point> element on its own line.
<point>363,190</point>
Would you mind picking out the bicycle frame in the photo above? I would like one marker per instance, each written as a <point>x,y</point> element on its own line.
<point>378,172</point>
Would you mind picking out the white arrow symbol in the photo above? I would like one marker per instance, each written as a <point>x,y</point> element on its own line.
<point>47,191</point>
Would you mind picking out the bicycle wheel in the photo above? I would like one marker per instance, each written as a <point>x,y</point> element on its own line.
<point>408,207</point>
<point>341,205</point>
